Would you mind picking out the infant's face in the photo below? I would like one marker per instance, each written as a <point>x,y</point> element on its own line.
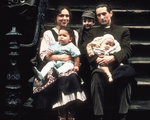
<point>64,37</point>
<point>107,44</point>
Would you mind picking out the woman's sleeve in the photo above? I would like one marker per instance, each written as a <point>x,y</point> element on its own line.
<point>46,42</point>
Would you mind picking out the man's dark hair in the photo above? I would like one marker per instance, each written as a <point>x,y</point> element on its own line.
<point>109,8</point>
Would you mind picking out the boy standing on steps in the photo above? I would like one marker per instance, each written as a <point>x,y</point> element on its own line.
<point>88,21</point>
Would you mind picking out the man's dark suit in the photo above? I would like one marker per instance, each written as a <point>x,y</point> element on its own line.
<point>121,91</point>
<point>121,34</point>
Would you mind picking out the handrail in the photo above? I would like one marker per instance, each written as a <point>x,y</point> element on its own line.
<point>38,23</point>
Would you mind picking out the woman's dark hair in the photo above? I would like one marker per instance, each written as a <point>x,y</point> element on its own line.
<point>69,30</point>
<point>58,10</point>
<point>104,5</point>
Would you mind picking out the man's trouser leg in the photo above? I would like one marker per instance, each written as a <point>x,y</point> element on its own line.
<point>97,93</point>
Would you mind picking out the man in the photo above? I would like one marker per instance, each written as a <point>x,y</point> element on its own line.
<point>104,93</point>
<point>88,21</point>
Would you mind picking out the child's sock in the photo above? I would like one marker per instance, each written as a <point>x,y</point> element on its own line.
<point>65,67</point>
<point>46,68</point>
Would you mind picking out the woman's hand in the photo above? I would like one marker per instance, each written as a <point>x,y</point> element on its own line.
<point>76,68</point>
<point>105,60</point>
<point>49,52</point>
<point>64,57</point>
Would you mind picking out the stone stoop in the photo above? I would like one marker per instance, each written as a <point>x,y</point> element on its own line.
<point>136,17</point>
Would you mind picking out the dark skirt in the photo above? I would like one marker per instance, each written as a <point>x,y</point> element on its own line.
<point>67,85</point>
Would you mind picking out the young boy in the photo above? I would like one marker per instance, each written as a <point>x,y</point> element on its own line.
<point>64,45</point>
<point>88,21</point>
<point>104,45</point>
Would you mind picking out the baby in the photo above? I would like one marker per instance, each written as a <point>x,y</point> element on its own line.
<point>64,45</point>
<point>104,45</point>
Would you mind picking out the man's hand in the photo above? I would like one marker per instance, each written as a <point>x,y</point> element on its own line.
<point>105,60</point>
<point>91,54</point>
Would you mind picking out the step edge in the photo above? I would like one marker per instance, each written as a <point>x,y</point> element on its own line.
<point>51,24</point>
<point>138,105</point>
<point>114,10</point>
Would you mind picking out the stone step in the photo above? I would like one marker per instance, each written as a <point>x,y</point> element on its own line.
<point>136,42</point>
<point>140,82</point>
<point>92,8</point>
<point>76,26</point>
<point>131,10</point>
<point>141,92</point>
<point>143,81</point>
<point>137,27</point>
<point>142,69</point>
<point>133,41</point>
<point>136,105</point>
<point>139,60</point>
<point>116,4</point>
<point>139,17</point>
<point>139,105</point>
<point>140,51</point>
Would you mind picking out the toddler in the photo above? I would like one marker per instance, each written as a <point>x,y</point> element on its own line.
<point>64,45</point>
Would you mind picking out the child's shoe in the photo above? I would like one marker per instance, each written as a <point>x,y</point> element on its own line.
<point>55,72</point>
<point>38,74</point>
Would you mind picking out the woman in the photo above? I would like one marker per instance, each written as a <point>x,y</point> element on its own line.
<point>61,93</point>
